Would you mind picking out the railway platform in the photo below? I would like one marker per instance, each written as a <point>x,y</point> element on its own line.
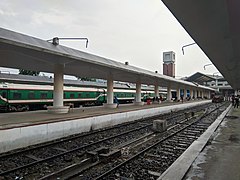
<point>215,155</point>
<point>220,158</point>
<point>28,128</point>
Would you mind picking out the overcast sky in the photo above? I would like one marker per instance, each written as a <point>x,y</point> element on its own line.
<point>137,31</point>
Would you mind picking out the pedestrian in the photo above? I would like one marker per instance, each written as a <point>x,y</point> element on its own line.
<point>182,98</point>
<point>236,102</point>
<point>116,101</point>
<point>232,100</point>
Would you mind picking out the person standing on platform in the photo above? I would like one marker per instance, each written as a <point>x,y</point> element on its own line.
<point>233,100</point>
<point>182,98</point>
<point>236,102</point>
<point>116,101</point>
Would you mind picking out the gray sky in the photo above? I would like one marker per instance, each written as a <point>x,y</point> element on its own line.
<point>137,31</point>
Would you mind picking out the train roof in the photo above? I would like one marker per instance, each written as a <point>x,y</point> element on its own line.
<point>45,80</point>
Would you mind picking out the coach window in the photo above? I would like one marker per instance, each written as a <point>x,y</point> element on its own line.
<point>4,94</point>
<point>17,95</point>
<point>87,95</point>
<point>64,96</point>
<point>31,95</point>
<point>43,95</point>
<point>72,96</point>
<point>79,95</point>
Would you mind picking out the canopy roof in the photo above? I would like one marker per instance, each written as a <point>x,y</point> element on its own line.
<point>215,27</point>
<point>25,52</point>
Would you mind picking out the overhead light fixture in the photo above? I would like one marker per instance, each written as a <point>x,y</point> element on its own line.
<point>55,40</point>
<point>186,46</point>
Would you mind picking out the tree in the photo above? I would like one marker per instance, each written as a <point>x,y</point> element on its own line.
<point>28,72</point>
<point>86,79</point>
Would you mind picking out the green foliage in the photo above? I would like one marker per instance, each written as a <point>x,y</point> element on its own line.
<point>86,79</point>
<point>28,72</point>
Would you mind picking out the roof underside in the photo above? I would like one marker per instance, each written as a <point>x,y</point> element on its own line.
<point>215,27</point>
<point>25,52</point>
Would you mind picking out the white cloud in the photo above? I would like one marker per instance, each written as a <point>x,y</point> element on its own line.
<point>137,30</point>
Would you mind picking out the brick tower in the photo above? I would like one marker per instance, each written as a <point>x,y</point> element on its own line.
<point>169,63</point>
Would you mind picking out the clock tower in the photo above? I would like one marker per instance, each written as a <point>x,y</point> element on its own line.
<point>169,63</point>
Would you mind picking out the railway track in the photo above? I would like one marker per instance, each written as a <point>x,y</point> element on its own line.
<point>155,157</point>
<point>78,151</point>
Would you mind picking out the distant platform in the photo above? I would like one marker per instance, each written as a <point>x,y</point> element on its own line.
<point>22,129</point>
<point>20,119</point>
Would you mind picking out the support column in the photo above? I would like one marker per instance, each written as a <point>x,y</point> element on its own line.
<point>58,107</point>
<point>156,90</point>
<point>110,103</point>
<point>235,92</point>
<point>209,94</point>
<point>169,95</point>
<point>184,94</point>
<point>191,93</point>
<point>138,94</point>
<point>179,94</point>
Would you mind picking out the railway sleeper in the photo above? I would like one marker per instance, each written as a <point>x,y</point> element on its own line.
<point>182,144</point>
<point>33,157</point>
<point>195,130</point>
<point>191,133</point>
<point>187,136</point>
<point>184,139</point>
<point>70,171</point>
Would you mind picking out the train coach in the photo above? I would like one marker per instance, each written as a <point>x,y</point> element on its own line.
<point>23,97</point>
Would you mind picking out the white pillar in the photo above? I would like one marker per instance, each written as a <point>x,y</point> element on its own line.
<point>156,90</point>
<point>138,94</point>
<point>184,93</point>
<point>179,94</point>
<point>110,103</point>
<point>110,90</point>
<point>169,95</point>
<point>235,92</point>
<point>209,94</point>
<point>58,86</point>
<point>191,93</point>
<point>58,91</point>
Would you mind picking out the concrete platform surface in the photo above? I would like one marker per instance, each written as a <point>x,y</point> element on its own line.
<point>221,158</point>
<point>20,119</point>
<point>179,168</point>
<point>19,130</point>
